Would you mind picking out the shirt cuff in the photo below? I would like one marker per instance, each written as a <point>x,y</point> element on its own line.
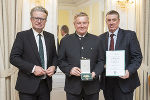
<point>33,69</point>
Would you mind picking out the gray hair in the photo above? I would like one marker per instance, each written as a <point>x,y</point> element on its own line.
<point>111,12</point>
<point>80,15</point>
<point>38,8</point>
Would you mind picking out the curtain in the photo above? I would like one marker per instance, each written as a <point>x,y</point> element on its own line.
<point>143,33</point>
<point>10,23</point>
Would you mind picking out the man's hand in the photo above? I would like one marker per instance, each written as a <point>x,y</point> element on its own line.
<point>93,75</point>
<point>50,71</point>
<point>75,71</point>
<point>39,71</point>
<point>105,66</point>
<point>126,75</point>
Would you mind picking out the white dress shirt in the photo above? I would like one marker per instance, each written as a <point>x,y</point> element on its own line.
<point>44,47</point>
<point>114,37</point>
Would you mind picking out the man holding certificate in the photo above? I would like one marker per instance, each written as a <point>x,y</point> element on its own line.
<point>123,58</point>
<point>80,60</point>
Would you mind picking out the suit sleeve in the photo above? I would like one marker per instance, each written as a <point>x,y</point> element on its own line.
<point>54,62</point>
<point>101,59</point>
<point>17,53</point>
<point>63,65</point>
<point>135,54</point>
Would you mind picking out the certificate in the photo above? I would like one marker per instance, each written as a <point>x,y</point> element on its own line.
<point>115,63</point>
<point>85,70</point>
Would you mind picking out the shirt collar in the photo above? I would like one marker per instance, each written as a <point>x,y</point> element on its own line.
<point>36,33</point>
<point>64,35</point>
<point>81,35</point>
<point>115,33</point>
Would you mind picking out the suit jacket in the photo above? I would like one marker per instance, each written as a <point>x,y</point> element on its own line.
<point>66,35</point>
<point>58,41</point>
<point>126,40</point>
<point>24,55</point>
<point>71,51</point>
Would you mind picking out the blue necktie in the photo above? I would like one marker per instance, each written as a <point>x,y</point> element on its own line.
<point>41,51</point>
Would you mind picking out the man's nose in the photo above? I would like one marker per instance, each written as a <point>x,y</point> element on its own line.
<point>39,20</point>
<point>82,25</point>
<point>111,22</point>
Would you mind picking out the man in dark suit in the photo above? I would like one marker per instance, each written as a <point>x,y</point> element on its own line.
<point>34,54</point>
<point>64,30</point>
<point>121,87</point>
<point>73,48</point>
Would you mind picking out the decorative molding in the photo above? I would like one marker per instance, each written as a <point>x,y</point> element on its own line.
<point>71,3</point>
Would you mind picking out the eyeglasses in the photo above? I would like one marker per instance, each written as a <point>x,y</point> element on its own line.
<point>39,19</point>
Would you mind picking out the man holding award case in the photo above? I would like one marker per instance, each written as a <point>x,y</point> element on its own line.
<point>80,60</point>
<point>85,70</point>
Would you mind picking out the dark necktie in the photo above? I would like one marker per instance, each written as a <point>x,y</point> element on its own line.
<point>111,42</point>
<point>41,51</point>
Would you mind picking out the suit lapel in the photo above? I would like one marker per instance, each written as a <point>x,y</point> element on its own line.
<point>47,41</point>
<point>106,41</point>
<point>33,44</point>
<point>119,39</point>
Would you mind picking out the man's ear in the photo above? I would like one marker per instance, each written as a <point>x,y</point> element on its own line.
<point>73,23</point>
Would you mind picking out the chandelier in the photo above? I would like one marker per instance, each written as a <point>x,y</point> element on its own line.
<point>124,3</point>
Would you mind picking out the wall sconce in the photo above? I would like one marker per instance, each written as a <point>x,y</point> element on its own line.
<point>124,3</point>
